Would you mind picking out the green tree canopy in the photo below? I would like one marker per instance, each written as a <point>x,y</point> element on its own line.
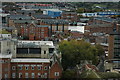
<point>80,10</point>
<point>73,51</point>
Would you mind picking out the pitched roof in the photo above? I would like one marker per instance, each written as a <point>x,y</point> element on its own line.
<point>25,21</point>
<point>55,21</point>
<point>41,16</point>
<point>18,17</point>
<point>100,25</point>
<point>105,19</point>
<point>25,11</point>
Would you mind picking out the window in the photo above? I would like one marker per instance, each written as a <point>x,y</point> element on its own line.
<point>20,67</point>
<point>45,68</point>
<point>8,43</point>
<point>42,29</point>
<point>13,75</point>
<point>20,75</point>
<point>33,75</point>
<point>45,75</point>
<point>26,67</point>
<point>13,67</point>
<point>32,67</point>
<point>6,75</point>
<point>42,33</point>
<point>39,75</point>
<point>39,67</point>
<point>26,75</point>
<point>56,73</point>
<point>44,52</point>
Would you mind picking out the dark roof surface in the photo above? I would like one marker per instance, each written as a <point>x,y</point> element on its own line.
<point>106,19</point>
<point>41,16</point>
<point>55,21</point>
<point>25,21</point>
<point>18,17</point>
<point>100,25</point>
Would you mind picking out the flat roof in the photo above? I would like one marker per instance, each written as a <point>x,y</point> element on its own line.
<point>50,43</point>
<point>30,60</point>
<point>5,56</point>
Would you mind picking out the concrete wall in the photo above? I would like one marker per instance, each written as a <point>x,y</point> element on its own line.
<point>8,45</point>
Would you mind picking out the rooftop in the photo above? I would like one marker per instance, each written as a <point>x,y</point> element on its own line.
<point>34,43</point>
<point>55,21</point>
<point>105,19</point>
<point>8,28</point>
<point>76,28</point>
<point>25,11</point>
<point>18,17</point>
<point>30,60</point>
<point>53,10</point>
<point>5,56</point>
<point>4,14</point>
<point>69,13</point>
<point>41,16</point>
<point>42,26</point>
<point>100,25</point>
<point>109,12</point>
<point>25,21</point>
<point>115,33</point>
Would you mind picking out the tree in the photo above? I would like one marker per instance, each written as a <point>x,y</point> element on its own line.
<point>100,50</point>
<point>69,74</point>
<point>80,10</point>
<point>73,51</point>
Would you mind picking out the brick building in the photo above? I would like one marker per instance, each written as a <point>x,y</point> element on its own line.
<point>35,32</point>
<point>71,16</point>
<point>113,49</point>
<point>5,66</point>
<point>102,28</point>
<point>15,17</point>
<point>97,33</point>
<point>15,66</point>
<point>19,68</point>
<point>76,34</point>
<point>41,16</point>
<point>56,25</point>
<point>103,20</point>
<point>114,44</point>
<point>19,23</point>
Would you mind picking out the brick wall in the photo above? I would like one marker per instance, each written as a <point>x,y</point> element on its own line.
<point>54,69</point>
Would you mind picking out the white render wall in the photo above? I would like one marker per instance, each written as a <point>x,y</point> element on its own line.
<point>8,45</point>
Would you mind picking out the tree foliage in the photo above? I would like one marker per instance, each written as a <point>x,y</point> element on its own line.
<point>80,10</point>
<point>73,51</point>
<point>69,74</point>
